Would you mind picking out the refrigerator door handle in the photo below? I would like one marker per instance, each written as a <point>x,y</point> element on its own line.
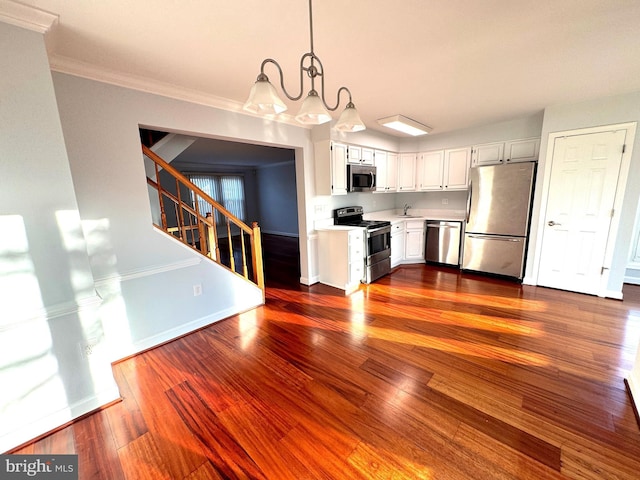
<point>493,237</point>
<point>469,200</point>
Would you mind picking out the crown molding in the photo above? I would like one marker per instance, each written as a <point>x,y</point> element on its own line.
<point>62,64</point>
<point>25,16</point>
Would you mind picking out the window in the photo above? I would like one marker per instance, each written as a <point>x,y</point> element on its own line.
<point>228,190</point>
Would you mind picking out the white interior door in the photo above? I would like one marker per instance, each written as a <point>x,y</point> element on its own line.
<point>582,189</point>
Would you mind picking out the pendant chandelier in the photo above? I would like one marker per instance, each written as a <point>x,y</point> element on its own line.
<point>263,98</point>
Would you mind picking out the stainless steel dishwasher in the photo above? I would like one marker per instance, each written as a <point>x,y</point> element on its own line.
<point>442,244</point>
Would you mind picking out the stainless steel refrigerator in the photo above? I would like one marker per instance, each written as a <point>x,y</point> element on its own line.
<point>498,215</point>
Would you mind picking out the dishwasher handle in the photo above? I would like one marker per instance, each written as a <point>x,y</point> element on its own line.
<point>443,225</point>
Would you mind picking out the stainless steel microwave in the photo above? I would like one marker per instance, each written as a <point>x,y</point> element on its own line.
<point>361,178</point>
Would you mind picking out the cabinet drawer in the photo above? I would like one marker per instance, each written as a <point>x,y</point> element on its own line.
<point>356,271</point>
<point>415,224</point>
<point>397,228</point>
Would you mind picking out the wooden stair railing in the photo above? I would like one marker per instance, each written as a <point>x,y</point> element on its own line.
<point>179,202</point>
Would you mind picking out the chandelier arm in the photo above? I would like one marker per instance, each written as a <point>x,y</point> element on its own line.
<point>290,97</point>
<point>341,89</point>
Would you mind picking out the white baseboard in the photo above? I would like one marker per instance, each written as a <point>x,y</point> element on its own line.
<point>634,387</point>
<point>617,295</point>
<point>180,330</point>
<point>310,280</point>
<point>50,422</point>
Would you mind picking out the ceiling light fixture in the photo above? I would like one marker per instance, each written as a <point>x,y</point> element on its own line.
<point>264,100</point>
<point>404,125</point>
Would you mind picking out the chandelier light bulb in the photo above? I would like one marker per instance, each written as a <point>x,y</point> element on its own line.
<point>350,120</point>
<point>263,98</point>
<point>313,111</point>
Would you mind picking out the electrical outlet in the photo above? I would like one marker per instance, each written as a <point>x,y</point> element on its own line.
<point>197,290</point>
<point>445,201</point>
<point>88,347</point>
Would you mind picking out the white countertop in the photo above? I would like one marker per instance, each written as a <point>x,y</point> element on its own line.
<point>417,214</point>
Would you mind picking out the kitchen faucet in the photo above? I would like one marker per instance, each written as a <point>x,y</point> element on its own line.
<point>406,207</point>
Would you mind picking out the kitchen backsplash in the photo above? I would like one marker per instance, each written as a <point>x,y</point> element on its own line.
<point>372,202</point>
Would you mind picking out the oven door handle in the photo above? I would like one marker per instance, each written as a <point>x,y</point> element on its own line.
<point>379,230</point>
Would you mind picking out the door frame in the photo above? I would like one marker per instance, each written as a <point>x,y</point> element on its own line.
<point>623,175</point>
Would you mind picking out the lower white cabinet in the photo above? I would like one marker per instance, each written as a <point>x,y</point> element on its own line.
<point>397,243</point>
<point>414,241</point>
<point>341,257</point>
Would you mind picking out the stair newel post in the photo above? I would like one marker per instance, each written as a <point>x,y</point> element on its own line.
<point>210,246</point>
<point>256,256</point>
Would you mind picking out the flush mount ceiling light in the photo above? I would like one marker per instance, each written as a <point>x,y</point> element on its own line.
<point>404,125</point>
<point>263,98</point>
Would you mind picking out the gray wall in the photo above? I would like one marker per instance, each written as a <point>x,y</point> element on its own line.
<point>48,305</point>
<point>598,112</point>
<point>277,199</point>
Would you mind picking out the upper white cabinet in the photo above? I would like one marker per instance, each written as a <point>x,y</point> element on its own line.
<point>407,172</point>
<point>330,168</point>
<point>392,171</point>
<point>361,155</point>
<point>487,154</point>
<point>457,162</point>
<point>430,171</point>
<point>525,150</point>
<point>387,171</point>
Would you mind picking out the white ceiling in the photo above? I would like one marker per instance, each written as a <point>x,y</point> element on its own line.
<point>448,63</point>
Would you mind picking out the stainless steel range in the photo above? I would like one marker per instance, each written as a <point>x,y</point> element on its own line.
<point>377,243</point>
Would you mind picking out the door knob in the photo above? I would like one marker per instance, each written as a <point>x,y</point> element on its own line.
<point>552,223</point>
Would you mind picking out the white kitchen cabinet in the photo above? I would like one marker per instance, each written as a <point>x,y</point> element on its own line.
<point>387,171</point>
<point>392,171</point>
<point>407,172</point>
<point>380,161</point>
<point>430,170</point>
<point>397,243</point>
<point>341,257</point>
<point>524,150</point>
<point>361,155</point>
<point>414,241</point>
<point>487,154</point>
<point>330,168</point>
<point>457,162</point>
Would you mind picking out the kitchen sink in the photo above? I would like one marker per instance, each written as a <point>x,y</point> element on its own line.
<point>408,216</point>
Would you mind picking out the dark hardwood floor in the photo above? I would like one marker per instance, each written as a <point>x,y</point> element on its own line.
<point>427,373</point>
<point>281,257</point>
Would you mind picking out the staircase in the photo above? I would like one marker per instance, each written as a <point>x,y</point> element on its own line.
<point>185,212</point>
